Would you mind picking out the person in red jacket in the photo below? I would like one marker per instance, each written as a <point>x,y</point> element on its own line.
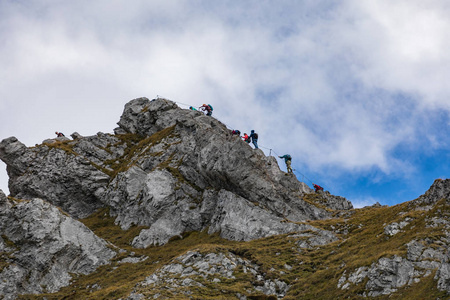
<point>59,134</point>
<point>317,187</point>
<point>246,138</point>
<point>207,108</point>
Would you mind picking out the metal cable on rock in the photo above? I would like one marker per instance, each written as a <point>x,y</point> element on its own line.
<point>230,127</point>
<point>303,175</point>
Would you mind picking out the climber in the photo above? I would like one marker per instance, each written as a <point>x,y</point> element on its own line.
<point>287,160</point>
<point>254,137</point>
<point>192,108</point>
<point>246,138</point>
<point>317,187</point>
<point>208,108</point>
<point>59,134</point>
<point>235,132</point>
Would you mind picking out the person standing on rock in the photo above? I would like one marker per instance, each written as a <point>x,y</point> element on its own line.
<point>246,138</point>
<point>254,137</point>
<point>287,160</point>
<point>208,108</point>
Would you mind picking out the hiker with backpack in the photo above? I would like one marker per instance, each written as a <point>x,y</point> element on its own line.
<point>317,187</point>
<point>246,138</point>
<point>254,137</point>
<point>208,108</point>
<point>287,160</point>
<point>59,134</point>
<point>235,132</point>
<point>192,108</point>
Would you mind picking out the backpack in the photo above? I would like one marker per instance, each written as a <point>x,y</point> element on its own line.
<point>210,106</point>
<point>288,157</point>
<point>255,136</point>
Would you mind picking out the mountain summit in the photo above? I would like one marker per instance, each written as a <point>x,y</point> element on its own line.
<point>172,205</point>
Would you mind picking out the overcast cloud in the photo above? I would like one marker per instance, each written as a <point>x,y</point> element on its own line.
<point>355,91</point>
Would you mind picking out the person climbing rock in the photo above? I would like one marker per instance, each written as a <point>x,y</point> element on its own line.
<point>59,134</point>
<point>317,187</point>
<point>192,108</point>
<point>208,108</point>
<point>246,138</point>
<point>235,132</point>
<point>254,137</point>
<point>287,160</point>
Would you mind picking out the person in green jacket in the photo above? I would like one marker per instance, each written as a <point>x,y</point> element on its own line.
<point>287,160</point>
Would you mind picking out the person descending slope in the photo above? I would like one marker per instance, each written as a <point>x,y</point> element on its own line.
<point>287,160</point>
<point>254,137</point>
<point>208,108</point>
<point>317,187</point>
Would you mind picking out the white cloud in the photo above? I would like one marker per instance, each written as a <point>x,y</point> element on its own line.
<point>333,84</point>
<point>360,203</point>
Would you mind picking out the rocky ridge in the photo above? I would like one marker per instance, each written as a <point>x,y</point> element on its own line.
<point>165,169</point>
<point>173,206</point>
<point>178,163</point>
<point>41,247</point>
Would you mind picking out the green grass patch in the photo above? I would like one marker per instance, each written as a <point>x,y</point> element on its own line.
<point>66,146</point>
<point>137,147</point>
<point>118,280</point>
<point>102,224</point>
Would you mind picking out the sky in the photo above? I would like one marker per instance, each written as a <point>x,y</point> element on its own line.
<point>356,91</point>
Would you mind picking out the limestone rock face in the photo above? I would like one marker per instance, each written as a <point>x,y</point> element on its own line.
<point>54,173</point>
<point>44,247</point>
<point>172,170</point>
<point>167,169</point>
<point>423,258</point>
<point>183,274</point>
<point>440,189</point>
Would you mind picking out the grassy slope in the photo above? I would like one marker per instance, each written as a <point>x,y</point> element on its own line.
<point>314,274</point>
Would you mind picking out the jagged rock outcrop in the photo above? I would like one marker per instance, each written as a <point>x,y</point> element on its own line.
<point>389,274</point>
<point>58,175</point>
<point>423,257</point>
<point>41,247</point>
<point>172,170</point>
<point>440,189</point>
<point>169,172</point>
<point>195,269</point>
<point>165,169</point>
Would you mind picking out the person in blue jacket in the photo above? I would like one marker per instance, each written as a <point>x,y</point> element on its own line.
<point>287,160</point>
<point>254,137</point>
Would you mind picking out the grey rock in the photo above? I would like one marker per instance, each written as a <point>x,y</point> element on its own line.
<point>134,296</point>
<point>185,269</point>
<point>76,136</point>
<point>415,250</point>
<point>394,228</point>
<point>54,175</point>
<point>389,274</point>
<point>133,260</point>
<point>443,276</point>
<point>440,189</point>
<point>167,169</point>
<point>195,176</point>
<point>336,202</point>
<point>52,246</point>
